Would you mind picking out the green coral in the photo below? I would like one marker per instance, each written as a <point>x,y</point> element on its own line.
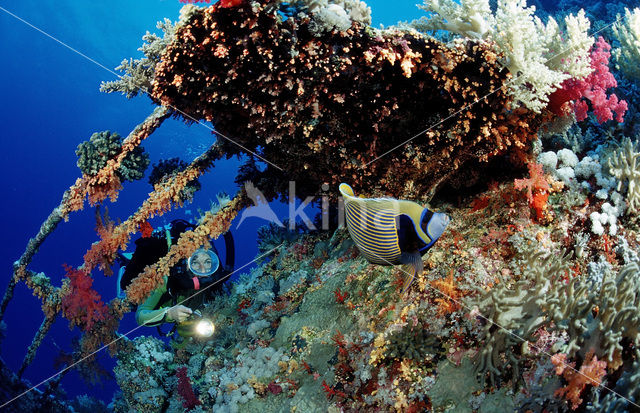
<point>514,313</point>
<point>597,320</point>
<point>602,331</point>
<point>103,146</point>
<point>623,164</point>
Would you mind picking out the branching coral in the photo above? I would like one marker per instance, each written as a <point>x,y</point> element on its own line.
<point>592,88</point>
<point>605,330</point>
<point>623,164</point>
<point>510,314</point>
<point>591,373</point>
<point>81,304</point>
<point>627,31</point>
<point>139,72</point>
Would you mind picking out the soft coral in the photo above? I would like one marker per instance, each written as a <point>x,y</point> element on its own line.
<point>573,92</point>
<point>537,189</point>
<point>82,305</point>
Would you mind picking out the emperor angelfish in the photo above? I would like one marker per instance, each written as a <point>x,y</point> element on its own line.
<point>390,231</point>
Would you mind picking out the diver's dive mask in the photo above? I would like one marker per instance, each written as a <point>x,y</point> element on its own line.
<point>196,326</point>
<point>203,262</point>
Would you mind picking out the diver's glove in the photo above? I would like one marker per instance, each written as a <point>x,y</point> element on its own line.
<point>178,313</point>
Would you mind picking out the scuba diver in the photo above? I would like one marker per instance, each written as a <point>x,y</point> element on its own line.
<point>177,300</point>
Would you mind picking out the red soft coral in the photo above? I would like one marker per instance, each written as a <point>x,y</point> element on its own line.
<point>230,3</point>
<point>573,93</point>
<point>185,390</point>
<point>82,305</point>
<point>591,372</point>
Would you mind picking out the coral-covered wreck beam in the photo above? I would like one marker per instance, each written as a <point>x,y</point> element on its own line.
<point>97,188</point>
<point>327,102</point>
<point>166,193</point>
<point>106,184</point>
<point>210,227</point>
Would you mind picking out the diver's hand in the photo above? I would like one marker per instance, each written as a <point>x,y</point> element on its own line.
<point>178,313</point>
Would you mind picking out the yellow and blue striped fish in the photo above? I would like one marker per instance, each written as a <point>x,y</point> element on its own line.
<point>390,231</point>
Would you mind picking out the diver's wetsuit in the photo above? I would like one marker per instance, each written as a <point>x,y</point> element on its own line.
<point>148,250</point>
<point>153,310</point>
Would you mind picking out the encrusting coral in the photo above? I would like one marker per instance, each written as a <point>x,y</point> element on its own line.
<point>394,85</point>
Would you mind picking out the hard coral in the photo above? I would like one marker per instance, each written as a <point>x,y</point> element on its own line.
<point>338,101</point>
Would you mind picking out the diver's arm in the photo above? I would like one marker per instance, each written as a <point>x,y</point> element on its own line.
<point>148,314</point>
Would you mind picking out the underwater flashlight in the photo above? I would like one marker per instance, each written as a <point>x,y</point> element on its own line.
<point>197,326</point>
<point>205,328</point>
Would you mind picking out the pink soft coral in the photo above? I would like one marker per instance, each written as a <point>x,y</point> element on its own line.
<point>82,305</point>
<point>573,93</point>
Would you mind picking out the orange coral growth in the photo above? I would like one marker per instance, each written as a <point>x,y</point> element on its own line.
<point>537,189</point>
<point>591,373</point>
<point>331,90</point>
<point>211,227</point>
<point>450,294</point>
<point>166,194</point>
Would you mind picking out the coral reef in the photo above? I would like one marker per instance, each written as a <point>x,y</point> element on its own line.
<point>529,299</point>
<point>539,57</point>
<point>394,84</point>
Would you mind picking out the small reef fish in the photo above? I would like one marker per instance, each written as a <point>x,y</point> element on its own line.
<point>390,231</point>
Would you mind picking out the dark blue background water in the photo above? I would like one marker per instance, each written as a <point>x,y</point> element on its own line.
<point>49,103</point>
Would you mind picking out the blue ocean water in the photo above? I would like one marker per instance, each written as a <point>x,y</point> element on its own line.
<point>54,55</point>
